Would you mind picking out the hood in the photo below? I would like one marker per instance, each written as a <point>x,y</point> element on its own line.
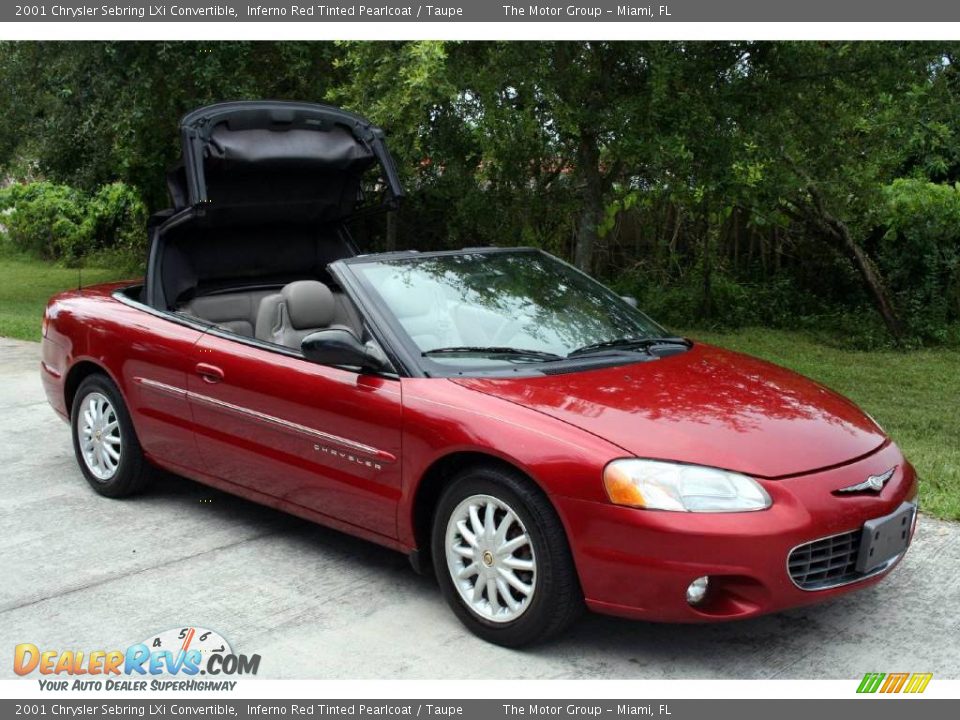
<point>300,160</point>
<point>706,406</point>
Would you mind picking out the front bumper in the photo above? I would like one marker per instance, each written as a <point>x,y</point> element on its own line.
<point>638,563</point>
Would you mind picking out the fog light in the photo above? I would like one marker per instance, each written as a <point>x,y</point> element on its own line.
<point>697,590</point>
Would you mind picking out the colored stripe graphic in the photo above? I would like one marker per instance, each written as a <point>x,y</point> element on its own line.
<point>895,682</point>
<point>918,682</point>
<point>870,682</point>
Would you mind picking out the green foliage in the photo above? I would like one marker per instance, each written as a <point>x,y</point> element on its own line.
<point>44,220</point>
<point>920,253</point>
<point>728,183</point>
<point>58,222</point>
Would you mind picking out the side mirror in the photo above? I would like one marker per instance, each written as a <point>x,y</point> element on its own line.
<point>629,300</point>
<point>342,347</point>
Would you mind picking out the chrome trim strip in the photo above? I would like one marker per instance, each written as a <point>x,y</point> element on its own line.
<point>294,427</point>
<point>162,387</point>
<point>315,435</point>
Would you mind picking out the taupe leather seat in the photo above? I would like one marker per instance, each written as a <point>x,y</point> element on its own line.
<point>301,308</point>
<point>236,312</point>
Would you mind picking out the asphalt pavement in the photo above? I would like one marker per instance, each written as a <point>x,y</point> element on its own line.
<point>85,572</point>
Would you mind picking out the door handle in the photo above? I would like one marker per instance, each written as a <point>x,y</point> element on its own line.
<point>210,373</point>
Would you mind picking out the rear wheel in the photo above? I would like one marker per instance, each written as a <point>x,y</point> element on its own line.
<point>502,559</point>
<point>104,441</point>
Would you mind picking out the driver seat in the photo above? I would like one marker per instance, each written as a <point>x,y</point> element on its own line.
<point>299,309</point>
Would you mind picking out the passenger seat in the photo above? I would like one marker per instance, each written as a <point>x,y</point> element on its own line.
<point>302,308</point>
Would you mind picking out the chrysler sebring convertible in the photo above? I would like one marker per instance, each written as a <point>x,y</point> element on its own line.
<point>500,417</point>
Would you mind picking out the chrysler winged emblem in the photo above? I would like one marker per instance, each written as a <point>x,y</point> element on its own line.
<point>874,482</point>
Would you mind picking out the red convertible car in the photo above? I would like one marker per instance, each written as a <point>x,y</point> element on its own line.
<point>494,413</point>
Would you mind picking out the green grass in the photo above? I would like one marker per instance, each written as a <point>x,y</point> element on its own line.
<point>914,395</point>
<point>25,287</point>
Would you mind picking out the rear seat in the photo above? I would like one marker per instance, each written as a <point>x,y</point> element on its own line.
<point>237,312</point>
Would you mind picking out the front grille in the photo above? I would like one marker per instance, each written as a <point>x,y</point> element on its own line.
<point>827,562</point>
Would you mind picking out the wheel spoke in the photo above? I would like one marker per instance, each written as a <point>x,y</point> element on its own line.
<point>516,582</point>
<point>468,571</point>
<point>488,526</point>
<point>466,533</point>
<point>112,453</point>
<point>511,546</point>
<point>475,521</point>
<point>516,563</point>
<point>464,551</point>
<point>112,439</point>
<point>501,534</point>
<point>492,595</point>
<point>507,595</point>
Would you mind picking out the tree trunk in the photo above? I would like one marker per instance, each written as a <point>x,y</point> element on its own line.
<point>391,239</point>
<point>707,248</point>
<point>591,213</point>
<point>837,231</point>
<point>871,278</point>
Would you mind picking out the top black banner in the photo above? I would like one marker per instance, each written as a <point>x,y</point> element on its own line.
<point>483,11</point>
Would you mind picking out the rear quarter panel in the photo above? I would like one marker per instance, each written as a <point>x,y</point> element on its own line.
<point>128,344</point>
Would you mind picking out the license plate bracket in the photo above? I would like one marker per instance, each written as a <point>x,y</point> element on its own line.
<point>885,537</point>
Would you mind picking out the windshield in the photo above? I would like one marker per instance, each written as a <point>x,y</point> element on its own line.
<point>483,308</point>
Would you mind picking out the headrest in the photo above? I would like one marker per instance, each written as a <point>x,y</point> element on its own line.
<point>309,304</point>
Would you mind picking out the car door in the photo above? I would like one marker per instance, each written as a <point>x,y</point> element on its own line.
<point>156,362</point>
<point>322,438</point>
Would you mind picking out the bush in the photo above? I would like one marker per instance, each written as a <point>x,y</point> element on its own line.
<point>920,255</point>
<point>42,219</point>
<point>58,222</point>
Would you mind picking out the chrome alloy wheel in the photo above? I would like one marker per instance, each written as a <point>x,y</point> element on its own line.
<point>100,440</point>
<point>490,558</point>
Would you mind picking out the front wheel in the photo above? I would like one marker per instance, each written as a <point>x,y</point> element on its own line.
<point>502,559</point>
<point>104,441</point>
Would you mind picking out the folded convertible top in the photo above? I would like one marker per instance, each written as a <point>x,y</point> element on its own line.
<point>258,159</point>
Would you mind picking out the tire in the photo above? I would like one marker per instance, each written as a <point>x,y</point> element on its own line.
<point>107,449</point>
<point>546,598</point>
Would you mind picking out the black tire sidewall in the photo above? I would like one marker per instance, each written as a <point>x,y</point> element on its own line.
<point>538,519</point>
<point>129,476</point>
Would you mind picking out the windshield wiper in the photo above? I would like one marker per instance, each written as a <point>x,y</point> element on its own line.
<point>628,344</point>
<point>506,352</point>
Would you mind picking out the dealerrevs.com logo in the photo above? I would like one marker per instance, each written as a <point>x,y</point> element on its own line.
<point>171,660</point>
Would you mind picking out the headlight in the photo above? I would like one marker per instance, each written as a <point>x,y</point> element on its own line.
<point>659,485</point>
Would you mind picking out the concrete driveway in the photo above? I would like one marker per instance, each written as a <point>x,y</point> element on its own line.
<point>84,572</point>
